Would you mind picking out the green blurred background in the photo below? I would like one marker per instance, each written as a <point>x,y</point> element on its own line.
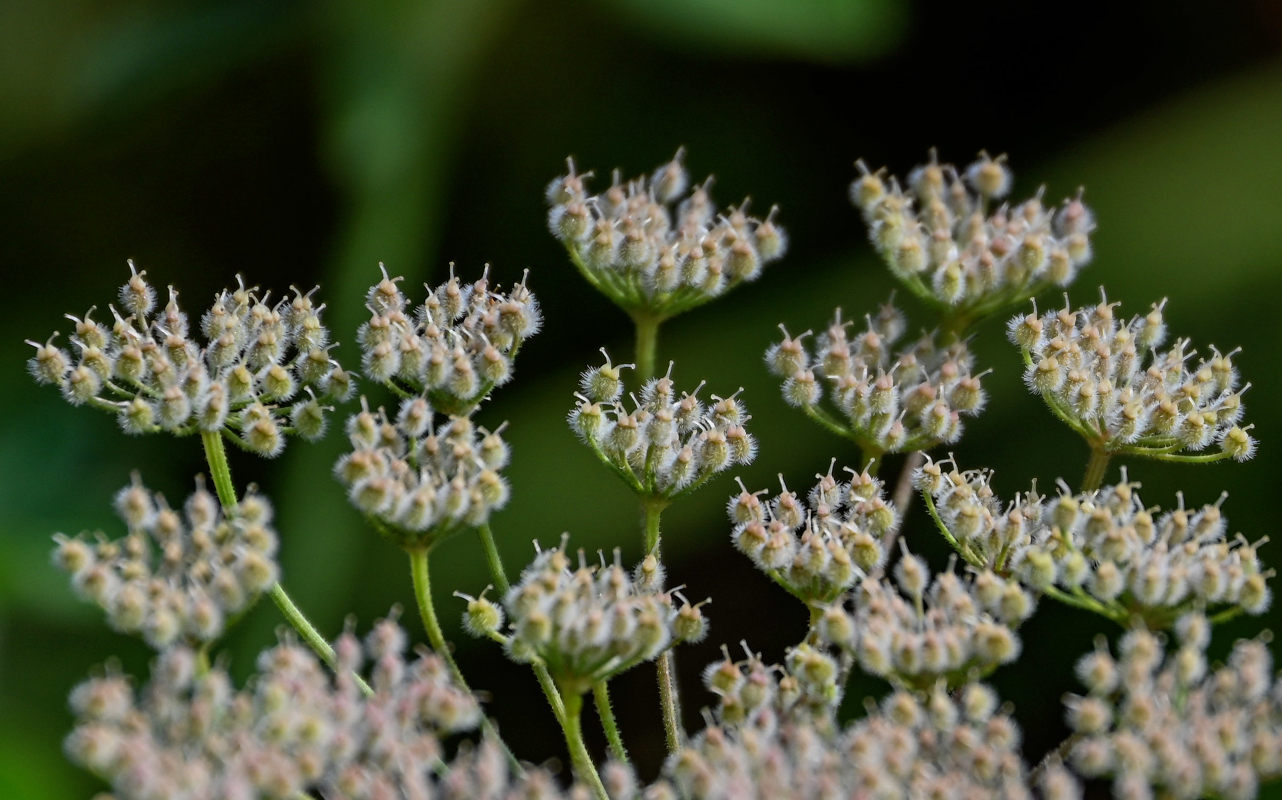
<point>305,142</point>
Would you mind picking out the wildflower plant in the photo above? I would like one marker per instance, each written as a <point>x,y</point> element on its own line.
<point>364,720</point>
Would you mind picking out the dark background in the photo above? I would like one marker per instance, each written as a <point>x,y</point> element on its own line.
<point>303,143</point>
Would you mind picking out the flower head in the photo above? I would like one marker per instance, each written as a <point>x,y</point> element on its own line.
<point>654,249</point>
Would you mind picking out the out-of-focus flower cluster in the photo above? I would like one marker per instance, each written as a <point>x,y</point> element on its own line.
<point>1105,378</point>
<point>1104,546</point>
<point>948,629</point>
<point>1168,725</point>
<point>914,745</point>
<point>178,575</point>
<point>891,401</point>
<point>943,241</point>
<point>421,480</point>
<point>819,547</point>
<point>653,249</point>
<point>806,686</point>
<point>454,348</point>
<point>593,622</point>
<point>667,444</point>
<point>264,372</point>
<point>189,733</point>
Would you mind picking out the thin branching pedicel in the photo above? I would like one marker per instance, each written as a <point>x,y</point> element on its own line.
<point>178,575</point>
<point>944,242</point>
<point>264,371</point>
<point>1105,379</point>
<point>454,348</point>
<point>1103,550</point>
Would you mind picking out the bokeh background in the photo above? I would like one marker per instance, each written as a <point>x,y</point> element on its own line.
<point>305,142</point>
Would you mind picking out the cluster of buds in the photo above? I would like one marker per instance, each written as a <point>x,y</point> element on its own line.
<point>818,547</point>
<point>914,745</point>
<point>1104,548</point>
<point>420,481</point>
<point>454,348</point>
<point>294,730</point>
<point>943,630</point>
<point>176,576</point>
<point>264,372</point>
<point>805,687</point>
<point>593,622</point>
<point>892,401</point>
<point>668,444</point>
<point>1167,724</point>
<point>942,240</point>
<point>653,249</point>
<point>1090,368</point>
<point>484,772</point>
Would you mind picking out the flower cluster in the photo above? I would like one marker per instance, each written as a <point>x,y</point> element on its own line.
<point>941,239</point>
<point>947,629</point>
<point>421,481</point>
<point>806,686</point>
<point>591,623</point>
<point>1167,724</point>
<point>666,445</point>
<point>819,547</point>
<point>454,348</point>
<point>176,576</point>
<point>266,370</point>
<point>1091,370</point>
<point>1103,546</point>
<point>654,250</point>
<point>295,729</point>
<point>892,401</point>
<point>913,745</point>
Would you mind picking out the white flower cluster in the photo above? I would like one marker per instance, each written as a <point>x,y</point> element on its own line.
<point>891,400</point>
<point>943,241</point>
<point>1168,725</point>
<point>914,745</point>
<point>454,348</point>
<point>805,686</point>
<point>819,547</point>
<point>177,576</point>
<point>1105,546</point>
<point>943,630</point>
<point>593,622</point>
<point>421,481</point>
<point>654,250</point>
<point>1105,378</point>
<point>666,445</point>
<point>189,733</point>
<point>265,372</point>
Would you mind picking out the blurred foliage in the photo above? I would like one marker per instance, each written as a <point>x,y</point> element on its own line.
<point>303,143</point>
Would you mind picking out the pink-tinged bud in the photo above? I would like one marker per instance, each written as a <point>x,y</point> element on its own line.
<point>801,389</point>
<point>989,177</point>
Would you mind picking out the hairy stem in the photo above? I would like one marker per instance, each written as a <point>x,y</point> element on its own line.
<point>492,556</point>
<point>647,341</point>
<point>669,697</point>
<point>427,611</point>
<point>1095,469</point>
<point>220,471</point>
<point>583,766</point>
<point>601,695</point>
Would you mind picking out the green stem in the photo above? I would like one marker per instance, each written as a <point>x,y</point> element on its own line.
<point>647,340</point>
<point>220,471</point>
<point>550,692</point>
<point>669,697</point>
<point>601,695</point>
<point>1095,469</point>
<point>427,611</point>
<point>492,556</point>
<point>653,510</point>
<point>583,766</point>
